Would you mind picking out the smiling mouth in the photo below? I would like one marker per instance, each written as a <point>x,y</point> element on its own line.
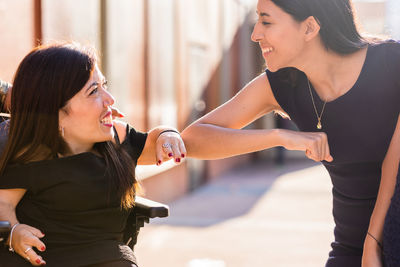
<point>107,120</point>
<point>267,50</point>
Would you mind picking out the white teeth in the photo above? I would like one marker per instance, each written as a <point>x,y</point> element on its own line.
<point>106,120</point>
<point>268,50</point>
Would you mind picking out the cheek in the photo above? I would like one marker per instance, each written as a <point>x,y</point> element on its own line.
<point>288,47</point>
<point>83,116</point>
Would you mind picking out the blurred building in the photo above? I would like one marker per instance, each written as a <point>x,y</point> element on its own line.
<point>167,61</point>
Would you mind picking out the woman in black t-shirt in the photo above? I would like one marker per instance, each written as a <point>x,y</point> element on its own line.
<point>64,171</point>
<point>341,90</point>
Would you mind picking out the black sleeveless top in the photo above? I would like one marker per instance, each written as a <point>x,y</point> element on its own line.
<point>359,126</point>
<point>67,199</point>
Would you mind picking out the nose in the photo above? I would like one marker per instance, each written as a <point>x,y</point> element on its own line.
<point>256,36</point>
<point>108,99</point>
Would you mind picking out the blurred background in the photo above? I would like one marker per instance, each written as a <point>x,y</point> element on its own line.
<point>170,62</point>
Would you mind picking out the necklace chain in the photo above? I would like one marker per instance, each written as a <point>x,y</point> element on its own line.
<point>319,116</point>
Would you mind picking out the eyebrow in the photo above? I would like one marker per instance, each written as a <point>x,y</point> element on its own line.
<point>263,14</point>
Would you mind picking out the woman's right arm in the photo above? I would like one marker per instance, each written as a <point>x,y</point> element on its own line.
<point>219,134</point>
<point>9,199</point>
<point>372,251</point>
<point>23,236</point>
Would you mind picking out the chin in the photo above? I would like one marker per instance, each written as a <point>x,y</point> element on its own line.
<point>271,67</point>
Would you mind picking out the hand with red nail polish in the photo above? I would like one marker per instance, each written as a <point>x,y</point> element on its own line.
<point>169,145</point>
<point>24,239</point>
<point>116,113</point>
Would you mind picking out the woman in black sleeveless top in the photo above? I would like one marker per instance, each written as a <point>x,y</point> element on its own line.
<point>64,171</point>
<point>341,90</point>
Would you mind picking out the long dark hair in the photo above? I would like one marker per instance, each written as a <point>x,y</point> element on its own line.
<point>338,29</point>
<point>46,79</point>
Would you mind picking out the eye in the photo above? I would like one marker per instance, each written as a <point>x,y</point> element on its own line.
<point>265,23</point>
<point>95,89</point>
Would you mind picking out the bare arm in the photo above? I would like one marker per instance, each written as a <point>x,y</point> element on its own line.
<point>372,251</point>
<point>9,199</point>
<point>218,134</point>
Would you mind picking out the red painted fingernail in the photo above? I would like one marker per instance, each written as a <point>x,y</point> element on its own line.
<point>43,248</point>
<point>170,155</point>
<point>37,261</point>
<point>182,155</point>
<point>159,162</point>
<point>121,115</point>
<point>178,160</point>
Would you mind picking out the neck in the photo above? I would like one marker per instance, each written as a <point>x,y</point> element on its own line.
<point>74,148</point>
<point>332,74</point>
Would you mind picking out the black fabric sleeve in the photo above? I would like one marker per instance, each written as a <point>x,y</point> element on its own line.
<point>16,176</point>
<point>282,89</point>
<point>134,142</point>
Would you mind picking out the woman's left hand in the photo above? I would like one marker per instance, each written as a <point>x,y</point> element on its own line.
<point>24,239</point>
<point>170,145</point>
<point>116,113</point>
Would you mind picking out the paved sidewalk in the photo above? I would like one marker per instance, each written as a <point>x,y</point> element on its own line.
<point>255,216</point>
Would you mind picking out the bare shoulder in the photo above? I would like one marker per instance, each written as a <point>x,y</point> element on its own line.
<point>120,127</point>
<point>259,89</point>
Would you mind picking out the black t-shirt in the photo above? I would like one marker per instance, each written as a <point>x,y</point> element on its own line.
<point>68,199</point>
<point>359,126</point>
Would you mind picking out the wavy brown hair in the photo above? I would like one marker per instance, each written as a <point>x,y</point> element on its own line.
<point>46,79</point>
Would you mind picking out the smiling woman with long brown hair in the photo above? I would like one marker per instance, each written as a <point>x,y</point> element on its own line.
<point>68,169</point>
<point>341,90</point>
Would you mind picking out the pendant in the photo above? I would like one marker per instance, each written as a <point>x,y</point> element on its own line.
<point>319,125</point>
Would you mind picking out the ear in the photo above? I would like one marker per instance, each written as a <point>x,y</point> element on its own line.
<point>311,28</point>
<point>62,115</point>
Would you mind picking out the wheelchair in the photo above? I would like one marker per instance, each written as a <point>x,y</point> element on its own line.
<point>144,210</point>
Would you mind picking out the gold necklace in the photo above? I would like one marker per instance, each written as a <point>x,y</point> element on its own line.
<point>319,117</point>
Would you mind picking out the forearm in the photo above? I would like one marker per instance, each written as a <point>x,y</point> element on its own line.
<point>206,141</point>
<point>9,199</point>
<point>7,213</point>
<point>386,190</point>
<point>374,238</point>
